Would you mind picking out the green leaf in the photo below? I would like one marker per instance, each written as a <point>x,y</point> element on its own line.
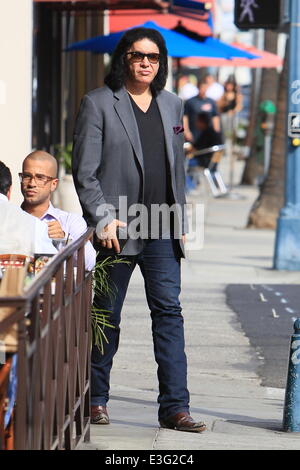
<point>103,286</point>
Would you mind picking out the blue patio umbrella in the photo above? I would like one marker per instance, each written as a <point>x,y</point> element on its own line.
<point>232,51</point>
<point>178,45</point>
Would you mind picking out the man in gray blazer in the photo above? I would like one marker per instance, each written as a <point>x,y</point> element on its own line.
<point>128,161</point>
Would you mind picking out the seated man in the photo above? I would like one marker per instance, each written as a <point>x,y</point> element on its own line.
<point>38,181</point>
<point>208,138</point>
<point>20,233</point>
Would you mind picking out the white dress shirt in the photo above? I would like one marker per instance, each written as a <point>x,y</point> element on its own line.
<point>74,226</point>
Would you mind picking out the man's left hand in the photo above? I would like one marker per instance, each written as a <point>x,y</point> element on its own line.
<point>55,230</point>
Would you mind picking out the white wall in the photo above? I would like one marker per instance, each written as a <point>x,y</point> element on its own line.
<point>15,85</point>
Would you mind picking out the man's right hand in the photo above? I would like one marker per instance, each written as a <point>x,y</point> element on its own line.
<point>55,230</point>
<point>188,136</point>
<point>108,236</point>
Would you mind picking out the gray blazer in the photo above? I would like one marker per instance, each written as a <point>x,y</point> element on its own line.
<point>108,158</point>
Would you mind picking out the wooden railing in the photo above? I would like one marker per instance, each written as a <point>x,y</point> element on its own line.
<point>52,407</point>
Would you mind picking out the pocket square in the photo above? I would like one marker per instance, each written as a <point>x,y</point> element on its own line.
<point>178,129</point>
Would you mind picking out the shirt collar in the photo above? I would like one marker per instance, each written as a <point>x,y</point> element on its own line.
<point>51,211</point>
<point>3,197</point>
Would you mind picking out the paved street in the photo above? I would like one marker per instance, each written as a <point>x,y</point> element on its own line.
<point>224,366</point>
<point>267,314</point>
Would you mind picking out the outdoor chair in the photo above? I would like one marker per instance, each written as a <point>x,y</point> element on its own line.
<point>207,167</point>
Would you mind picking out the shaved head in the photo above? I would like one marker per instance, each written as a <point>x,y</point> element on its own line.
<point>37,194</point>
<point>45,159</point>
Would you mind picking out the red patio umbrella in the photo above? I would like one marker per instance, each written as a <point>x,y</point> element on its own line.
<point>266,59</point>
<point>120,20</point>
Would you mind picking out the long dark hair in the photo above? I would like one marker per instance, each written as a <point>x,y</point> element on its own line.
<point>119,71</point>
<point>231,81</point>
<point>5,179</point>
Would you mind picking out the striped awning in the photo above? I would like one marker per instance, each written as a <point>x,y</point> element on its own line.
<point>192,5</point>
<point>110,4</point>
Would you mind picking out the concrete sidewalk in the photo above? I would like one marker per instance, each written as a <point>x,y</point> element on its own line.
<point>225,389</point>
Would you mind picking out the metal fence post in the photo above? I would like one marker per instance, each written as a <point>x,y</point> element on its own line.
<point>291,417</point>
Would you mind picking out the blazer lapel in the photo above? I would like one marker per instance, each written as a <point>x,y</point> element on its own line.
<point>125,112</point>
<point>167,124</point>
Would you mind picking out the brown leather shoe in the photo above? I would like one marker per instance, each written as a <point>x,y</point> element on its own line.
<point>99,415</point>
<point>182,422</point>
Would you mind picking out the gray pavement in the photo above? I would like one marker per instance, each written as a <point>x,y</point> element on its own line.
<point>267,313</point>
<point>225,389</point>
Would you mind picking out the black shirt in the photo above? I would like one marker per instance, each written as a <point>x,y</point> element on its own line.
<point>208,138</point>
<point>157,188</point>
<point>197,105</point>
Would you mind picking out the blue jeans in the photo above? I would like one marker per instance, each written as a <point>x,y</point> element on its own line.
<point>160,266</point>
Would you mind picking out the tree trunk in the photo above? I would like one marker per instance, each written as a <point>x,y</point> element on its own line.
<point>265,210</point>
<point>270,77</point>
<point>250,170</point>
<point>268,91</point>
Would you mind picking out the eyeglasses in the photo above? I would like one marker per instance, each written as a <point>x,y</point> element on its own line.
<point>41,180</point>
<point>136,56</point>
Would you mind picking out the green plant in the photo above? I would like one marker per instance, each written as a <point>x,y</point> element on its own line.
<point>102,287</point>
<point>100,320</point>
<point>64,156</point>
